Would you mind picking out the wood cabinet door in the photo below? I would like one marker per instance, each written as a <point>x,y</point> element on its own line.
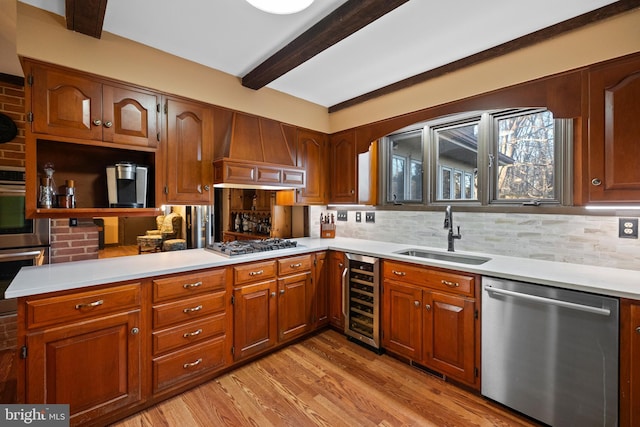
<point>189,152</point>
<point>130,116</point>
<point>95,366</point>
<point>337,270</point>
<point>320,294</point>
<point>311,155</point>
<point>449,335</point>
<point>294,311</point>
<point>629,362</point>
<point>614,94</point>
<point>402,319</point>
<point>255,318</point>
<point>66,104</point>
<point>343,176</point>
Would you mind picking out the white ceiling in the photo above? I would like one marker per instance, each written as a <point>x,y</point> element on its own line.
<point>232,36</point>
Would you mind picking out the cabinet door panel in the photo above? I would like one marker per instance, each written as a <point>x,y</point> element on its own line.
<point>66,105</point>
<point>294,297</point>
<point>449,345</point>
<point>188,157</point>
<point>344,169</point>
<point>311,155</point>
<point>255,325</point>
<point>321,289</point>
<point>401,319</point>
<point>130,116</point>
<point>336,293</point>
<point>62,362</point>
<point>614,90</point>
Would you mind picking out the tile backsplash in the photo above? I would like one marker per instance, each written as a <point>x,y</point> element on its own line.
<point>591,240</point>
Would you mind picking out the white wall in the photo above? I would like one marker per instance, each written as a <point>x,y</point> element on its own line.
<point>591,240</point>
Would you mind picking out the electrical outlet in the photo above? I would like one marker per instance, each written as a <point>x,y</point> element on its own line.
<point>342,216</point>
<point>628,228</point>
<point>358,216</point>
<point>370,216</point>
<point>73,222</point>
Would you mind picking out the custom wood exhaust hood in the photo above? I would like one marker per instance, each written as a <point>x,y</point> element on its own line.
<point>255,152</point>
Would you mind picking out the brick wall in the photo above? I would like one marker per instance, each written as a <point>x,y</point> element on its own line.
<point>73,243</point>
<point>12,105</point>
<point>8,332</point>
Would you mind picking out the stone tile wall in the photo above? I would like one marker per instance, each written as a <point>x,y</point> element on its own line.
<point>591,240</point>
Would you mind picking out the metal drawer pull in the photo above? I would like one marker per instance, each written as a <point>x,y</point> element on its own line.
<point>192,334</point>
<point>192,364</point>
<point>191,310</point>
<point>399,273</point>
<point>450,284</point>
<point>256,273</point>
<point>295,265</point>
<point>192,285</point>
<point>89,305</point>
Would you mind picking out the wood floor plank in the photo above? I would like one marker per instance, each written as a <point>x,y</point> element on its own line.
<point>326,380</point>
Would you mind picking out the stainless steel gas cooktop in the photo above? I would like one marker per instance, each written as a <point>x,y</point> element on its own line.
<point>243,247</point>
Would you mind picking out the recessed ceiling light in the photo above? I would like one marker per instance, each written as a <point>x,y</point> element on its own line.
<point>280,7</point>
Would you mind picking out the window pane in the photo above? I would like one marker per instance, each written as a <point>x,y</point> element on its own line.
<point>457,152</point>
<point>405,169</point>
<point>526,157</point>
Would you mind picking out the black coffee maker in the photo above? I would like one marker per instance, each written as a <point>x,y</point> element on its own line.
<point>127,185</point>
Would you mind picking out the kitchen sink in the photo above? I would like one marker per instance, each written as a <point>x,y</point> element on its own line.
<point>444,256</point>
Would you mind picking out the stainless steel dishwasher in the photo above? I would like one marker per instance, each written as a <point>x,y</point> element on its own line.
<point>550,353</point>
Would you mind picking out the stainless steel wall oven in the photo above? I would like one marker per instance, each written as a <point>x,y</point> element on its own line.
<point>23,242</point>
<point>361,299</point>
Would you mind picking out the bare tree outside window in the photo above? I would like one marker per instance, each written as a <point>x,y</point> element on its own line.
<point>526,157</point>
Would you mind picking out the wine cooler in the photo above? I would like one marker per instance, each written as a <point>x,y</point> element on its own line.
<point>361,299</point>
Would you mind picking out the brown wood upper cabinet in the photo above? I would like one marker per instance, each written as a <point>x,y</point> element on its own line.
<point>614,148</point>
<point>344,169</point>
<point>189,151</point>
<point>75,105</point>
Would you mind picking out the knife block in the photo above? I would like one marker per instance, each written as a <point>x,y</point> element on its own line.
<point>327,231</point>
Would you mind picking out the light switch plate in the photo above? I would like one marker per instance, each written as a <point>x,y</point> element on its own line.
<point>370,216</point>
<point>358,216</point>
<point>628,228</point>
<point>342,215</point>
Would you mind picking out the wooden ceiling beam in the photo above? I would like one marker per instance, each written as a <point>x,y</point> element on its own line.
<point>86,16</point>
<point>530,39</point>
<point>338,25</point>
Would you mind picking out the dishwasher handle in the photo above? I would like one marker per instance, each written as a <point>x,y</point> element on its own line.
<point>551,301</point>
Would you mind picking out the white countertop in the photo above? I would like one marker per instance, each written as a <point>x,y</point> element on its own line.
<point>80,274</point>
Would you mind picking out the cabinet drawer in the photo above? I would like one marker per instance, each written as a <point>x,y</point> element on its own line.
<point>188,333</point>
<point>294,265</point>
<point>190,362</point>
<point>188,309</point>
<point>188,284</point>
<point>254,272</point>
<point>72,307</point>
<point>435,279</point>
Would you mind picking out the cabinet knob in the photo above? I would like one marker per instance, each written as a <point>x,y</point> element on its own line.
<point>281,291</point>
<point>596,181</point>
<point>638,329</point>
<point>416,303</point>
<point>135,331</point>
<point>428,307</point>
<point>108,124</point>
<point>97,122</point>
<point>273,294</point>
<point>206,187</point>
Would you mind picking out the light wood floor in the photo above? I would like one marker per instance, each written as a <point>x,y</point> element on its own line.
<point>326,381</point>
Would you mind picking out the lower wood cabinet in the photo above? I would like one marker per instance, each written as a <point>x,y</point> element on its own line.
<point>430,316</point>
<point>191,336</point>
<point>255,326</point>
<point>92,358</point>
<point>629,362</point>
<point>336,270</point>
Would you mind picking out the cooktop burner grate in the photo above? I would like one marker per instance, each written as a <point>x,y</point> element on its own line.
<point>242,247</point>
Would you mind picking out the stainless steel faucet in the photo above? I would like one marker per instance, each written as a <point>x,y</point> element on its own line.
<point>448,223</point>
